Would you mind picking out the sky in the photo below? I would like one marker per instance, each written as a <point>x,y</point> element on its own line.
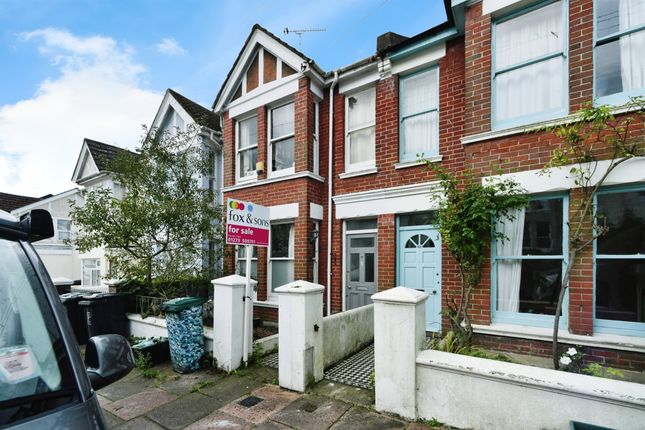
<point>99,68</point>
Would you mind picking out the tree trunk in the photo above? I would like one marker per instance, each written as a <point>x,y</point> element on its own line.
<point>558,309</point>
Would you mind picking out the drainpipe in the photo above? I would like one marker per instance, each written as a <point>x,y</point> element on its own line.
<point>330,179</point>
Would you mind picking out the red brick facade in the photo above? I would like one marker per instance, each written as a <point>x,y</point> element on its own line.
<point>465,110</point>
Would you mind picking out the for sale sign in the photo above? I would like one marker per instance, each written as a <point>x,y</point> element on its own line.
<point>247,223</point>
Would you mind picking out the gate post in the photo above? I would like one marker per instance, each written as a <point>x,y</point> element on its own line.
<point>399,333</point>
<point>228,324</point>
<point>300,324</point>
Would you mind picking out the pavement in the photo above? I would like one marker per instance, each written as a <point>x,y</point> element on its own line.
<point>244,399</point>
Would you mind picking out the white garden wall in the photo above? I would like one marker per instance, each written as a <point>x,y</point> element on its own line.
<point>347,332</point>
<point>470,392</point>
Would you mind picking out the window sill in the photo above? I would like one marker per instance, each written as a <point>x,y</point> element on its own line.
<point>281,173</point>
<point>256,182</point>
<point>601,340</point>
<point>422,162</point>
<point>361,172</point>
<point>246,180</point>
<point>532,127</point>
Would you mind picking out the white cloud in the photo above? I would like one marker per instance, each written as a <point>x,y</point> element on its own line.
<point>97,94</point>
<point>169,46</point>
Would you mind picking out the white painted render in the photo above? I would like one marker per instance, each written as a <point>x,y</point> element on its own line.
<point>286,211</point>
<point>394,200</point>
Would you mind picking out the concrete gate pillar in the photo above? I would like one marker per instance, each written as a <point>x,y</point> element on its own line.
<point>228,316</point>
<point>399,333</point>
<point>300,325</point>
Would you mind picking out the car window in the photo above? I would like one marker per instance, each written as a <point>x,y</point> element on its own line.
<point>35,373</point>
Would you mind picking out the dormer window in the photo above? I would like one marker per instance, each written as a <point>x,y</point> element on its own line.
<point>281,139</point>
<point>247,148</point>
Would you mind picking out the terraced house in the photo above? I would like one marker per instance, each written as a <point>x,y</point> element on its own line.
<point>336,157</point>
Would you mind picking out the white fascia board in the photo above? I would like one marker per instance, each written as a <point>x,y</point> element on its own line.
<point>267,94</point>
<point>420,60</point>
<point>560,179</point>
<point>288,211</point>
<point>64,195</point>
<point>161,112</point>
<point>83,156</point>
<point>315,211</point>
<point>276,48</point>
<point>498,7</point>
<point>358,79</point>
<point>395,200</point>
<point>317,90</point>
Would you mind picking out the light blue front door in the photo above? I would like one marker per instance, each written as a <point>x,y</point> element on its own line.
<point>419,267</point>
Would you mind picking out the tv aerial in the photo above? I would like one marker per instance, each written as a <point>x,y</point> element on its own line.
<point>301,32</point>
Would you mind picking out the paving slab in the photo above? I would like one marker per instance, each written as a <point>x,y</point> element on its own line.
<point>111,420</point>
<point>220,420</point>
<point>140,403</point>
<point>229,389</point>
<point>126,387</point>
<point>183,411</point>
<point>140,423</point>
<point>271,425</point>
<point>346,393</point>
<point>184,384</point>
<point>311,412</point>
<point>271,399</point>
<point>363,419</point>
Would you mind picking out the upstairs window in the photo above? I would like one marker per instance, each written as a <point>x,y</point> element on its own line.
<point>529,67</point>
<point>619,52</point>
<point>63,229</point>
<point>419,100</point>
<point>281,139</point>
<point>360,130</point>
<point>247,148</point>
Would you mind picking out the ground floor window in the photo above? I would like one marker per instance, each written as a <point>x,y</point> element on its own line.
<point>240,261</point>
<point>91,272</point>
<point>281,256</point>
<point>620,262</point>
<point>528,263</point>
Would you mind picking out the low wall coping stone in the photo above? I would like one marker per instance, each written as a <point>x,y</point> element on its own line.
<point>400,295</point>
<point>599,389</point>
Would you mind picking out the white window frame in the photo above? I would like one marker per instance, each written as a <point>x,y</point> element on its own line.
<point>272,296</point>
<point>96,270</point>
<point>403,156</point>
<point>271,140</point>
<point>365,165</point>
<point>58,230</point>
<point>238,150</point>
<point>242,261</point>
<point>563,52</point>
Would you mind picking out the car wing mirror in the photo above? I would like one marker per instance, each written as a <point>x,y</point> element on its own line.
<point>108,358</point>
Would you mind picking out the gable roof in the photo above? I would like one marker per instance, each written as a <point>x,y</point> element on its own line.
<point>9,202</point>
<point>100,156</point>
<point>246,47</point>
<point>197,112</point>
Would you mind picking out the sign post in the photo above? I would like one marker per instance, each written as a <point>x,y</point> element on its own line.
<point>247,224</point>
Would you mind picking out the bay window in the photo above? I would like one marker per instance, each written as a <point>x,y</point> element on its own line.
<point>619,47</point>
<point>529,67</point>
<point>360,146</point>
<point>528,263</point>
<point>281,139</point>
<point>620,263</point>
<point>247,148</point>
<point>419,115</point>
<point>281,256</point>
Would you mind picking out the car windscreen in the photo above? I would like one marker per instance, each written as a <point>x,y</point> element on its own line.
<point>35,372</point>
